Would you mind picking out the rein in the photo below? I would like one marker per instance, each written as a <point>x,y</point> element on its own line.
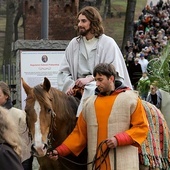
<point>101,158</point>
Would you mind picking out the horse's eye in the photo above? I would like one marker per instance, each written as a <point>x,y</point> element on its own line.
<point>49,110</point>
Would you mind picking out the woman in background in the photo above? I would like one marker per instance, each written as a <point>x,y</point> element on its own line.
<point>19,117</point>
<point>10,143</point>
<point>154,96</point>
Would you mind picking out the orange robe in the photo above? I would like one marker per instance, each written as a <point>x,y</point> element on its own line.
<point>77,140</point>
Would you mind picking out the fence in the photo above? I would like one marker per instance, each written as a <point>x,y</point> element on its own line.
<point>9,76</point>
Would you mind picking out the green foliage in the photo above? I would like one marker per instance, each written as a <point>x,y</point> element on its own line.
<point>159,69</point>
<point>143,86</point>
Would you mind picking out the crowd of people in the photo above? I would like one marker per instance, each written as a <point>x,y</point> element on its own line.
<point>151,35</point>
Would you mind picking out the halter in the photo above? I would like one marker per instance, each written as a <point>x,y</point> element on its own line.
<point>50,134</point>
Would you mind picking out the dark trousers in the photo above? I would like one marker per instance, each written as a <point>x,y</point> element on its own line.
<point>27,164</point>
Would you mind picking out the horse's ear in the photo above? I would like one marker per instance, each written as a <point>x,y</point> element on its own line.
<point>46,84</point>
<point>26,87</point>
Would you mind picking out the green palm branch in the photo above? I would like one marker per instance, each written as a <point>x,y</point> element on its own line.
<point>159,69</point>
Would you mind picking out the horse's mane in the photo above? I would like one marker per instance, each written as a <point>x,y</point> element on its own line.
<point>42,96</point>
<point>64,106</point>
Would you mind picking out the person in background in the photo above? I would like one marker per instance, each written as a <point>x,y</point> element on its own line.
<point>104,121</point>
<point>143,62</point>
<point>10,143</point>
<point>135,73</point>
<point>130,56</point>
<point>154,96</point>
<point>19,117</point>
<point>87,50</point>
<point>143,86</point>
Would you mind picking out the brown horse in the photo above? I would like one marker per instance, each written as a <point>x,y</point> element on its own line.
<point>51,116</point>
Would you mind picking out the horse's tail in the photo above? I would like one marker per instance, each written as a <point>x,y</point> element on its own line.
<point>155,151</point>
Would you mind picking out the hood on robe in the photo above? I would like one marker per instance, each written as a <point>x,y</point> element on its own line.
<point>119,87</point>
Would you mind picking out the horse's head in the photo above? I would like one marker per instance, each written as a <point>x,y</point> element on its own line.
<point>39,116</point>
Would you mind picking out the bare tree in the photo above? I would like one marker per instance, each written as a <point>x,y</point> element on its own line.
<point>107,9</point>
<point>10,13</point>
<point>98,3</point>
<point>19,14</point>
<point>129,24</point>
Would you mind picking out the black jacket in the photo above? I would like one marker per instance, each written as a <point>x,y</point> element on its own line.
<point>9,160</point>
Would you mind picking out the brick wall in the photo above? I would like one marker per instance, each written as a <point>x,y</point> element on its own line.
<point>62,15</point>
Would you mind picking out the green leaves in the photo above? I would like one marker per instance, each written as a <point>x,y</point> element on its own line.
<point>159,69</point>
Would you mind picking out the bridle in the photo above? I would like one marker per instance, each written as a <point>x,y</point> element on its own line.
<point>50,137</point>
<point>101,158</point>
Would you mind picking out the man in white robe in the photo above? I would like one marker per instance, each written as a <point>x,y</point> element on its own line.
<point>87,50</point>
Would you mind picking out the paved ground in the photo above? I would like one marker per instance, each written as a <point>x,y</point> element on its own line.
<point>35,164</point>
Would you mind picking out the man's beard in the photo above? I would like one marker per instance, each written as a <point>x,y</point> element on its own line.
<point>84,32</point>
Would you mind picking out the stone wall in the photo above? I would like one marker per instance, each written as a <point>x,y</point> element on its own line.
<point>62,15</point>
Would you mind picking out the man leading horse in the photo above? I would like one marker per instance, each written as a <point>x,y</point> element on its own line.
<point>114,119</point>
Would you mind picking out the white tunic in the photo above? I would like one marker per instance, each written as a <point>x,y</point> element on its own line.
<point>104,51</point>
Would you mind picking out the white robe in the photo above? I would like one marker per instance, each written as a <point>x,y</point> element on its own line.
<point>105,51</point>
